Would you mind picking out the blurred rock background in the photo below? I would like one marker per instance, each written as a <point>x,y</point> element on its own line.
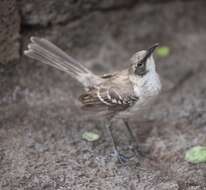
<point>41,125</point>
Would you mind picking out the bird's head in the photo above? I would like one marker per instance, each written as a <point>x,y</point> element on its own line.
<point>143,62</point>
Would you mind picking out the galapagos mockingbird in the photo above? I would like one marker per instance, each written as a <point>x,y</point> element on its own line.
<point>115,95</point>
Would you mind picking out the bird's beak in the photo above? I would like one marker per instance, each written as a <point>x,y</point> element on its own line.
<point>151,50</point>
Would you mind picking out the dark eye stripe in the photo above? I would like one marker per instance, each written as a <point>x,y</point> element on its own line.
<point>140,68</point>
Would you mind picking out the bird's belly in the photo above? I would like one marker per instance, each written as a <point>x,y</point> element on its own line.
<point>146,94</point>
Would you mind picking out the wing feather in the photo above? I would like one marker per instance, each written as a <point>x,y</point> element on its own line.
<point>111,99</point>
<point>115,94</point>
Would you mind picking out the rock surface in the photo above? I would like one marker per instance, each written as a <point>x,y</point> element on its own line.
<point>9,31</point>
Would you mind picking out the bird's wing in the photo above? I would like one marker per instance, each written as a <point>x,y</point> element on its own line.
<point>110,97</point>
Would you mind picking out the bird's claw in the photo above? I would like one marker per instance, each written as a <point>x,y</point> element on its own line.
<point>122,158</point>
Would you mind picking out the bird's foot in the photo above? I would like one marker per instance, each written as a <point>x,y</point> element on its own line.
<point>137,152</point>
<point>122,159</point>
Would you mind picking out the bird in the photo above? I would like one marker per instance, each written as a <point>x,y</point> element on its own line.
<point>116,95</point>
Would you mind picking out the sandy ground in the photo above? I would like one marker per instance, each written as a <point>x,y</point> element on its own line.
<point>41,124</point>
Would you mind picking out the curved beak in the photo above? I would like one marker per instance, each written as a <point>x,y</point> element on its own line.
<point>151,50</point>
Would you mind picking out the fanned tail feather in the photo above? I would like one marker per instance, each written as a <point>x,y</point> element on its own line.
<point>47,53</point>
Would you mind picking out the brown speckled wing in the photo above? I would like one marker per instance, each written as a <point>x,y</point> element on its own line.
<point>113,96</point>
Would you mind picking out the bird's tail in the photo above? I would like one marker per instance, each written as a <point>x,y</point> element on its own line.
<point>46,52</point>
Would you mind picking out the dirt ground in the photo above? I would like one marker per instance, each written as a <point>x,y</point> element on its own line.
<point>41,124</point>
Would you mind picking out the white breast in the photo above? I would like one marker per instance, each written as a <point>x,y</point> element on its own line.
<point>146,89</point>
<point>149,85</point>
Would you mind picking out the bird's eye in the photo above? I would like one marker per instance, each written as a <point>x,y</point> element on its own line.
<point>140,68</point>
<point>140,64</point>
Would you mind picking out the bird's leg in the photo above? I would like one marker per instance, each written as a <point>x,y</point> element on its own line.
<point>135,146</point>
<point>121,158</point>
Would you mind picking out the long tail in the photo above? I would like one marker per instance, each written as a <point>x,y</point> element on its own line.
<point>46,52</point>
